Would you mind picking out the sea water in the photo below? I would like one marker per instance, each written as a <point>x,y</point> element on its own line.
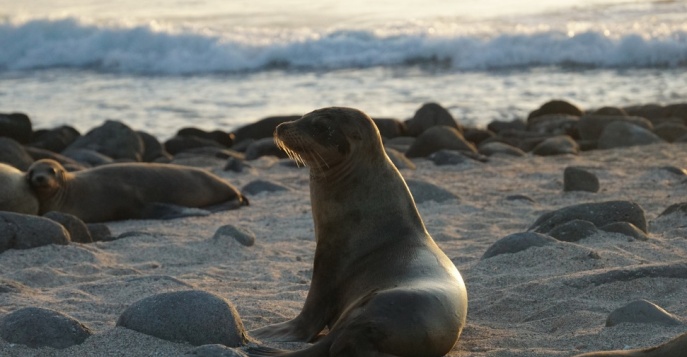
<point>161,65</point>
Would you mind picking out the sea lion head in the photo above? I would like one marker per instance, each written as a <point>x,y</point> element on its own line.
<point>326,137</point>
<point>46,177</point>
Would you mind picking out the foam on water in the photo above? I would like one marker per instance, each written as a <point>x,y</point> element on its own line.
<point>151,49</point>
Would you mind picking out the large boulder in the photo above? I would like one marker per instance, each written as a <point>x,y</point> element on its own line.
<point>56,139</point>
<point>599,214</point>
<point>555,106</point>
<point>113,139</point>
<point>429,115</point>
<point>20,231</point>
<point>16,126</point>
<point>438,138</point>
<point>37,327</point>
<point>590,127</point>
<point>624,134</point>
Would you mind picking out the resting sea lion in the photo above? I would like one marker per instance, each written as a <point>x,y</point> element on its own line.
<point>380,283</point>
<point>127,190</point>
<point>677,347</point>
<point>15,193</point>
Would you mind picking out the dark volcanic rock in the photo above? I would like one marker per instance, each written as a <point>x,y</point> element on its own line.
<point>574,230</point>
<point>220,137</point>
<point>642,312</point>
<point>429,115</point>
<point>600,214</point>
<point>153,150</point>
<point>670,132</point>
<point>20,231</point>
<point>437,138</point>
<point>113,139</point>
<point>625,228</point>
<point>390,128</point>
<point>14,154</point>
<point>498,126</point>
<point>517,242</point>
<point>557,145</point>
<point>261,129</point>
<point>622,134</point>
<point>37,327</point>
<point>16,126</point>
<point>495,147</point>
<point>554,124</point>
<point>242,235</point>
<point>257,186</point>
<point>555,107</point>
<point>194,317</point>
<point>178,144</point>
<point>591,127</point>
<point>577,179</point>
<point>424,191</point>
<point>612,111</point>
<point>476,136</point>
<point>78,232</point>
<point>56,139</point>
<point>264,147</point>
<point>399,159</point>
<point>676,208</point>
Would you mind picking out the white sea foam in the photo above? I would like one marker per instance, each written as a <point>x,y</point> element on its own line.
<point>147,49</point>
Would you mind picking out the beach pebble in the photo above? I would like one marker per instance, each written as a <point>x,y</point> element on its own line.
<point>399,159</point>
<point>56,139</point>
<point>20,231</point>
<point>437,138</point>
<point>215,350</point>
<point>78,232</point>
<point>424,191</point>
<point>555,106</point>
<point>621,134</point>
<point>600,214</point>
<point>496,147</point>
<point>258,186</point>
<point>113,139</point>
<point>37,327</point>
<point>625,228</point>
<point>517,242</point>
<point>242,235</point>
<point>16,126</point>
<point>429,115</point>
<point>574,230</point>
<point>14,154</point>
<point>193,316</point>
<point>557,145</point>
<point>643,312</point>
<point>264,147</point>
<point>577,179</point>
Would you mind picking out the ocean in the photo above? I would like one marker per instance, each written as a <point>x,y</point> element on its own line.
<point>215,64</point>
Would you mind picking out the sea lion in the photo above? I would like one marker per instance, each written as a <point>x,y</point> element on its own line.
<point>15,193</point>
<point>127,190</point>
<point>677,347</point>
<point>380,283</point>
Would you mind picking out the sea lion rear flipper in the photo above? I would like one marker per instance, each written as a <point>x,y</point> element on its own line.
<point>158,210</point>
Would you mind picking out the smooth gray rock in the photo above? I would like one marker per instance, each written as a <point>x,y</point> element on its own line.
<point>591,127</point>
<point>113,139</point>
<point>429,115</point>
<point>642,312</point>
<point>622,134</point>
<point>439,138</point>
<point>577,179</point>
<point>600,214</point>
<point>424,191</point>
<point>557,145</point>
<point>20,231</point>
<point>242,235</point>
<point>37,327</point>
<point>78,231</point>
<point>573,231</point>
<point>625,228</point>
<point>517,242</point>
<point>258,186</point>
<point>195,317</point>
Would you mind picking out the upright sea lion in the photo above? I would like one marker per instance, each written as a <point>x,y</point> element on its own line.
<point>15,193</point>
<point>380,283</point>
<point>127,190</point>
<point>677,347</point>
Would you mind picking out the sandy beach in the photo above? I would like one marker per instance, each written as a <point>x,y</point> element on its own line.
<point>537,302</point>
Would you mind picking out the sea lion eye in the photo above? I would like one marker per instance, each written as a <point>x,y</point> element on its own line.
<point>52,171</point>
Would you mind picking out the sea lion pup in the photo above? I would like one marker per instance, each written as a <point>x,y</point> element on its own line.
<point>15,193</point>
<point>677,347</point>
<point>127,190</point>
<point>380,283</point>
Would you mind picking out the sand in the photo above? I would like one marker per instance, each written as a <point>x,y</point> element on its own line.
<point>522,304</point>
